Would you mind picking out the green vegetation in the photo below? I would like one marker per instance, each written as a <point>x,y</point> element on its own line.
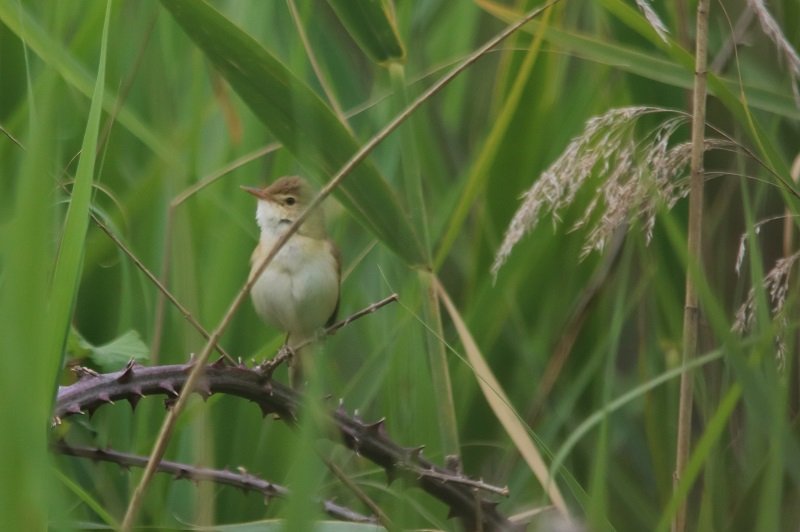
<point>552,369</point>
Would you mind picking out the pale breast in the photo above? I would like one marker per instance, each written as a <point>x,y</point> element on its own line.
<point>299,289</point>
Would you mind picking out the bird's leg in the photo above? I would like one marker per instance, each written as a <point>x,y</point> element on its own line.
<point>285,353</point>
<point>296,379</point>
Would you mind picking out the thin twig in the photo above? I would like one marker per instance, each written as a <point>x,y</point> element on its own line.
<point>695,259</point>
<point>381,516</point>
<point>242,480</point>
<point>477,484</point>
<point>167,427</point>
<point>228,168</point>
<point>286,352</point>
<point>734,40</point>
<point>163,289</point>
<point>13,139</point>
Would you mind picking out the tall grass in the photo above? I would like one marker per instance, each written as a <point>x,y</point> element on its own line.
<point>581,347</point>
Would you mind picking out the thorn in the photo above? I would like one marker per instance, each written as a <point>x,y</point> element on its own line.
<point>391,475</point>
<point>134,398</point>
<point>74,408</point>
<point>127,374</point>
<point>82,372</point>
<point>168,387</point>
<point>204,389</point>
<point>219,363</point>
<point>265,409</point>
<point>99,453</point>
<point>104,397</point>
<point>377,427</point>
<point>490,506</point>
<point>182,474</point>
<point>414,453</point>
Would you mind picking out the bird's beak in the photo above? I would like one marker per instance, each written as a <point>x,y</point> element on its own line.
<point>260,193</point>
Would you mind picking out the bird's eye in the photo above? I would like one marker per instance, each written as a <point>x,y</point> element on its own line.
<point>290,201</point>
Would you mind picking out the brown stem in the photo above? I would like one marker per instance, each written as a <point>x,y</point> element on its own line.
<point>694,267</point>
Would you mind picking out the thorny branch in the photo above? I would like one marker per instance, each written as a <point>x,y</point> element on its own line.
<point>242,480</point>
<point>370,440</point>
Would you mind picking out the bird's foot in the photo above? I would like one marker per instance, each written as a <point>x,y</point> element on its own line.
<point>268,367</point>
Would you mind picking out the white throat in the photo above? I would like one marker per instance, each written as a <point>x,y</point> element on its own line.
<point>270,219</point>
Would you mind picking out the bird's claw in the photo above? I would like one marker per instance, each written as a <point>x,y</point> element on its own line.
<point>268,367</point>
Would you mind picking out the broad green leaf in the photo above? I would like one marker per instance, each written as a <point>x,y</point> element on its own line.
<point>55,54</point>
<point>110,356</point>
<point>300,120</point>
<point>371,25</point>
<point>67,273</point>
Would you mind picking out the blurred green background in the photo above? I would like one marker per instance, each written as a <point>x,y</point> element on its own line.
<point>565,337</point>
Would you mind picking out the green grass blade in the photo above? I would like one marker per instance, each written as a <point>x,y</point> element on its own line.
<point>703,448</point>
<point>87,499</point>
<point>621,401</point>
<point>372,26</point>
<point>66,275</point>
<point>55,54</point>
<point>26,372</point>
<point>300,120</point>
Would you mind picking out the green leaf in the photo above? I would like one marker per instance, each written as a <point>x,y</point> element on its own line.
<point>371,25</point>
<point>110,356</point>
<point>300,120</point>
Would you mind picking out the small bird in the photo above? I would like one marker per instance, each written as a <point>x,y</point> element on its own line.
<point>298,292</point>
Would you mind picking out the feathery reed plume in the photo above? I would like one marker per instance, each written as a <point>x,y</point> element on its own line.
<point>653,18</point>
<point>776,284</point>
<point>742,251</point>
<point>639,176</point>
<point>770,27</point>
